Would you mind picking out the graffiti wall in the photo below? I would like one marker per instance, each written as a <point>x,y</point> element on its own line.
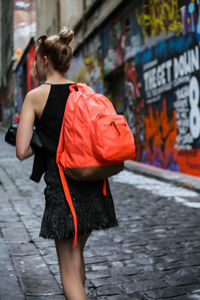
<point>169,77</point>
<point>154,50</point>
<point>25,78</point>
<point>101,55</point>
<point>19,95</point>
<point>191,17</point>
<point>157,17</point>
<point>31,76</point>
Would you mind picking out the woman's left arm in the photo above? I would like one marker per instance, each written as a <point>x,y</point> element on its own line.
<point>25,129</point>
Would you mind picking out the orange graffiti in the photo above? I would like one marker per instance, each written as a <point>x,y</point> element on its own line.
<point>189,161</point>
<point>160,136</point>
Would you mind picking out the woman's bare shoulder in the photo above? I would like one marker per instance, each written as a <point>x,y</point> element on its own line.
<point>38,91</point>
<point>37,98</point>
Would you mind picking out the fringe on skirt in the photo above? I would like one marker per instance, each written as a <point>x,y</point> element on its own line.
<point>94,210</point>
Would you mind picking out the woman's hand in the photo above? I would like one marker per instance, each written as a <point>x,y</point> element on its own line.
<point>25,129</point>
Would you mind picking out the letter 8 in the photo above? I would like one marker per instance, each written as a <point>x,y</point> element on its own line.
<point>194,115</point>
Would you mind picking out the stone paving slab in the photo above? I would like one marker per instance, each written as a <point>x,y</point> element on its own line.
<point>44,285</point>
<point>10,287</point>
<point>22,249</point>
<point>15,235</point>
<point>47,297</point>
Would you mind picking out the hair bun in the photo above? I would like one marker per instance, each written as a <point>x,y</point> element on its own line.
<point>66,35</point>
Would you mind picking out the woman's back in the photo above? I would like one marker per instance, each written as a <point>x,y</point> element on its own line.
<point>49,123</point>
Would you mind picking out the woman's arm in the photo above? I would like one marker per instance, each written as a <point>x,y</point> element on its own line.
<point>25,129</point>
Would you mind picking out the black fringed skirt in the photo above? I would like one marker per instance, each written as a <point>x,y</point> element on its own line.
<point>94,210</point>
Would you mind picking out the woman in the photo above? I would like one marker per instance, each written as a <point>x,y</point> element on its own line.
<point>44,108</point>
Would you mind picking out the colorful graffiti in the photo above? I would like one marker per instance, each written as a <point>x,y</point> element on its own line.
<point>94,73</point>
<point>19,95</point>
<point>113,46</point>
<point>134,106</point>
<point>132,93</point>
<point>78,70</point>
<point>191,17</point>
<point>160,138</point>
<point>101,55</point>
<point>87,66</point>
<point>134,37</point>
<point>25,80</point>
<point>159,17</point>
<point>148,63</point>
<point>168,73</point>
<point>31,76</point>
<point>121,39</point>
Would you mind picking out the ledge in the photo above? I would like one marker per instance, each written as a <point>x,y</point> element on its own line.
<point>177,178</point>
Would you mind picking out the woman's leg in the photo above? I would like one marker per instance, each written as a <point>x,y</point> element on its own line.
<point>82,240</point>
<point>72,267</point>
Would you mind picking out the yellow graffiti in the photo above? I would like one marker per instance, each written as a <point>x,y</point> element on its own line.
<point>159,17</point>
<point>80,76</point>
<point>93,71</point>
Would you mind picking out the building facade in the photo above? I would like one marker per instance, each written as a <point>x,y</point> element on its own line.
<point>25,78</point>
<point>144,55</point>
<point>47,17</point>
<point>17,25</point>
<point>6,56</point>
<point>58,13</point>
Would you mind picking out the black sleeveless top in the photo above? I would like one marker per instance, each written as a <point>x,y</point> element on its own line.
<point>48,127</point>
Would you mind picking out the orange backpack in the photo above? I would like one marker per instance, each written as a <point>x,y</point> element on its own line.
<point>94,141</point>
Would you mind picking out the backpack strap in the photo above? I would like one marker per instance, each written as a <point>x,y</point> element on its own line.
<point>69,201</point>
<point>65,185</point>
<point>81,87</point>
<point>104,187</point>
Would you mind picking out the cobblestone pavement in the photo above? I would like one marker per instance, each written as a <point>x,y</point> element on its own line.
<point>153,254</point>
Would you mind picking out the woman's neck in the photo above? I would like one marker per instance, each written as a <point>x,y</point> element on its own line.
<point>56,78</point>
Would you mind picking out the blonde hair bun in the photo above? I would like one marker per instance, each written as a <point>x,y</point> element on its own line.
<point>57,48</point>
<point>66,35</point>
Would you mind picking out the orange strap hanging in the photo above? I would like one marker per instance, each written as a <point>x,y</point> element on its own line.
<point>104,187</point>
<point>64,182</point>
<point>69,200</point>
